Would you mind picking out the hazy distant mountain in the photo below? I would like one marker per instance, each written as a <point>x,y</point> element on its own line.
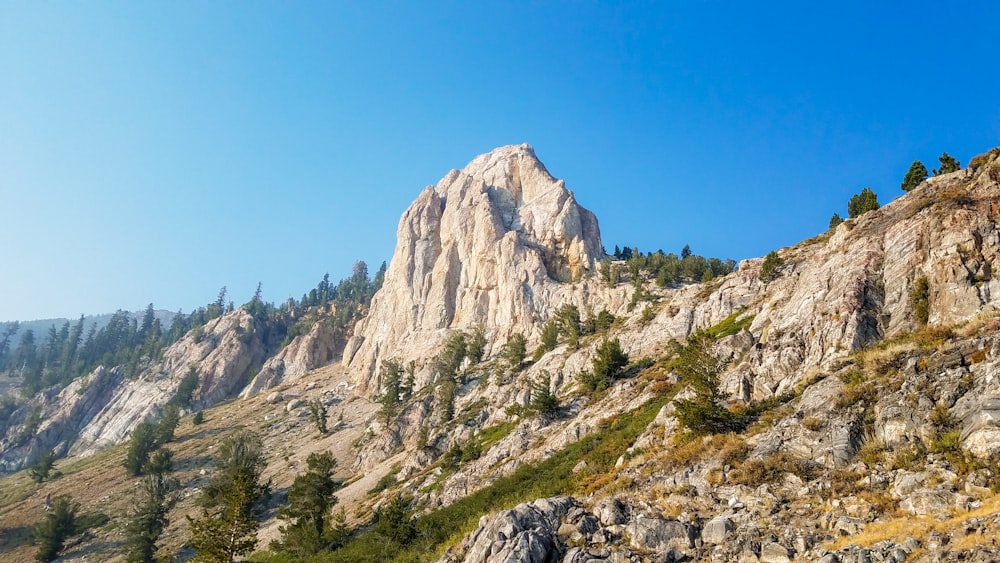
<point>41,326</point>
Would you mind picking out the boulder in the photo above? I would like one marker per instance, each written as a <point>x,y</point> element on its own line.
<point>717,530</point>
<point>658,534</point>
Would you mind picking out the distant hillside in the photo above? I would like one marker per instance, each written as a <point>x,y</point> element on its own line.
<point>41,326</point>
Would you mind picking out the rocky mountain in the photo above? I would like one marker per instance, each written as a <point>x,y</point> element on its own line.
<point>856,389</point>
<point>498,245</point>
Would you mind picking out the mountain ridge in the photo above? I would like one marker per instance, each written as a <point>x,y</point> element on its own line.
<point>851,410</point>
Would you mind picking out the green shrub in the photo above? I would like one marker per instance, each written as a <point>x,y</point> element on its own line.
<point>731,325</point>
<point>387,480</point>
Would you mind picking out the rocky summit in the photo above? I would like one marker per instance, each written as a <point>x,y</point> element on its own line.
<point>496,245</point>
<point>511,393</point>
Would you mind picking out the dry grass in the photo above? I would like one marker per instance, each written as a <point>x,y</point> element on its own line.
<point>918,527</point>
<point>99,483</point>
<point>812,423</point>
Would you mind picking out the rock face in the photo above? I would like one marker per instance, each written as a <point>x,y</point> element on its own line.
<point>844,290</point>
<point>304,353</point>
<point>63,416</point>
<point>222,352</point>
<point>489,246</point>
<point>102,408</point>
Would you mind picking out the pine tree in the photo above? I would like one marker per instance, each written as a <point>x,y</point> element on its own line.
<point>227,528</point>
<point>41,469</point>
<point>310,499</point>
<point>700,369</point>
<point>948,164</point>
<point>142,442</point>
<point>391,375</point>
<point>149,518</point>
<point>550,338</point>
<point>161,462</point>
<point>543,400</point>
<point>59,524</point>
<point>916,174</point>
<point>446,393</point>
<point>862,203</point>
<point>835,220</point>
<point>317,411</point>
<point>769,268</point>
<point>606,366</point>
<point>568,320</point>
<point>168,424</point>
<point>515,350</point>
<point>476,345</point>
<point>185,389</point>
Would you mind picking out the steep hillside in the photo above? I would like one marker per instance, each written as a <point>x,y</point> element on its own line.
<point>839,405</point>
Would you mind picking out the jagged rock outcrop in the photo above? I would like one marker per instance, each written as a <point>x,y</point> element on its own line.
<point>304,353</point>
<point>491,245</point>
<point>222,352</point>
<point>61,417</point>
<point>844,290</point>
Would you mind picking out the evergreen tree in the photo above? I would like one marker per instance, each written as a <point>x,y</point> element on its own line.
<point>185,390</point>
<point>550,338</point>
<point>161,462</point>
<point>447,390</point>
<point>147,320</point>
<point>608,362</point>
<point>835,220</point>
<point>543,400</point>
<point>317,411</point>
<point>59,524</point>
<point>149,518</point>
<point>862,203</point>
<point>142,442</point>
<point>769,269</point>
<point>700,369</point>
<point>310,499</point>
<point>41,469</point>
<point>391,376</point>
<point>948,164</point>
<point>219,307</point>
<point>450,359</point>
<point>168,424</point>
<point>568,320</point>
<point>27,362</point>
<point>406,389</point>
<point>379,278</point>
<point>227,529</point>
<point>515,350</point>
<point>686,251</point>
<point>393,522</point>
<point>476,345</point>
<point>916,174</point>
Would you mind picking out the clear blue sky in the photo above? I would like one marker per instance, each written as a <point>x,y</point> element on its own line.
<point>155,151</point>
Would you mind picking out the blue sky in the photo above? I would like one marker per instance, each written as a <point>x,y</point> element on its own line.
<point>153,152</point>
